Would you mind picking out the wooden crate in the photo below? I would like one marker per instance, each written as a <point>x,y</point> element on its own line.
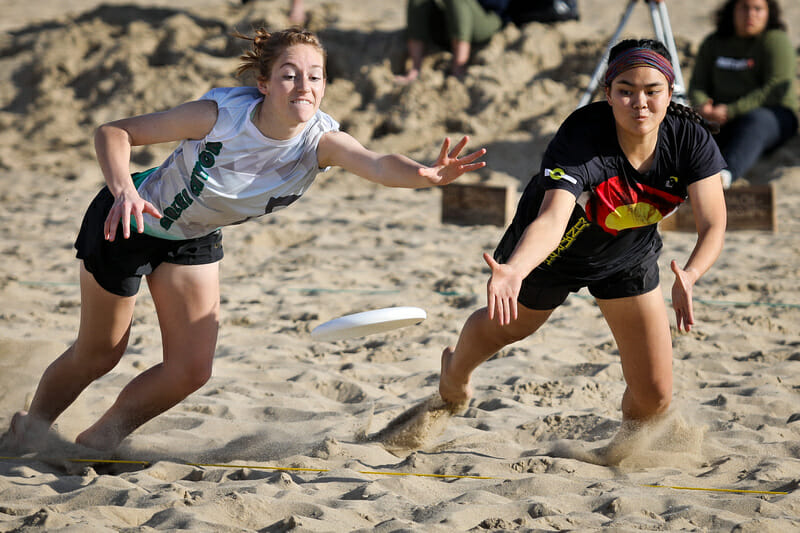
<point>750,207</point>
<point>475,204</point>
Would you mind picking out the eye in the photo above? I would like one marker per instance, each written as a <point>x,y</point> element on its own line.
<point>288,76</point>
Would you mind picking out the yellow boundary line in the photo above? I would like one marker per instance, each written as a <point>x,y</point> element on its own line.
<point>717,490</point>
<point>259,467</point>
<point>375,473</point>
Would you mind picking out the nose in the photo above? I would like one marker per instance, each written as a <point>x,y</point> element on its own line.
<point>302,84</point>
<point>639,100</point>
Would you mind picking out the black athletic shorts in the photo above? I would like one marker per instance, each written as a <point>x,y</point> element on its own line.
<point>545,290</point>
<point>118,266</point>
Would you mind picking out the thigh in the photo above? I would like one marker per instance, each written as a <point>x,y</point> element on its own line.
<point>105,318</point>
<point>468,21</point>
<point>186,298</point>
<point>640,326</point>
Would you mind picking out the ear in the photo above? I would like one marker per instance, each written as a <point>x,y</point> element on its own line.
<point>607,90</point>
<point>263,86</point>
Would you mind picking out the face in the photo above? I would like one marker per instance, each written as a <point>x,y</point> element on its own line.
<point>750,17</point>
<point>294,90</point>
<point>639,98</point>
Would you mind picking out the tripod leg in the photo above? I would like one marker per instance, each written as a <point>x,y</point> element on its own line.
<point>598,71</point>
<point>658,27</point>
<point>658,11</point>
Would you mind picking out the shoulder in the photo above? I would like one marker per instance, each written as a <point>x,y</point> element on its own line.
<point>684,127</point>
<point>777,38</point>
<point>587,124</point>
<point>232,96</point>
<point>593,114</point>
<point>324,122</point>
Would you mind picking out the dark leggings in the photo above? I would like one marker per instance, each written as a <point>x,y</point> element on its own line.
<point>746,138</point>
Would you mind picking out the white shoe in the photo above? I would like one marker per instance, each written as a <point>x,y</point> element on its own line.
<point>727,178</point>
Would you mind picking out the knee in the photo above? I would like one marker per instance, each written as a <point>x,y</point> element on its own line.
<point>98,360</point>
<point>500,335</point>
<point>192,377</point>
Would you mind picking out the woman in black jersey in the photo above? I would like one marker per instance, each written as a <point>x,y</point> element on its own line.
<point>588,219</point>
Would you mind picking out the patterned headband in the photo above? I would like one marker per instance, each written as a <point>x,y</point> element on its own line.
<point>638,57</point>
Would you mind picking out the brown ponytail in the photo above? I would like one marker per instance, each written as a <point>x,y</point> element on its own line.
<point>268,46</point>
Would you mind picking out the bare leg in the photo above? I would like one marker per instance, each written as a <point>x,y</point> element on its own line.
<point>461,51</point>
<point>297,13</point>
<point>187,301</point>
<point>102,339</point>
<point>416,52</point>
<point>481,338</point>
<point>641,329</point>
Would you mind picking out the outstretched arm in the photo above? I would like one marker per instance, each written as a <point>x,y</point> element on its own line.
<point>540,238</point>
<point>113,142</point>
<point>708,206</point>
<point>396,170</point>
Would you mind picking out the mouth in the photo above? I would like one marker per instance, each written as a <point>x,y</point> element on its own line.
<point>302,101</point>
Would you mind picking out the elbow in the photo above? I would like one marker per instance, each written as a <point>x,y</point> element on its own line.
<point>110,131</point>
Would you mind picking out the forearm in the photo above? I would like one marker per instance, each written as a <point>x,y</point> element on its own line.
<point>113,149</point>
<point>397,170</point>
<point>706,250</point>
<point>538,241</point>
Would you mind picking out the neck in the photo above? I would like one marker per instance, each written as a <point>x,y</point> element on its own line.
<point>265,121</point>
<point>639,150</point>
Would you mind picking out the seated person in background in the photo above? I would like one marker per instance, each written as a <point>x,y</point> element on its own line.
<point>744,79</point>
<point>453,24</point>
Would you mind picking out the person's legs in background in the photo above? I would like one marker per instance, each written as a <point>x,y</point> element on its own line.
<point>746,138</point>
<point>468,23</point>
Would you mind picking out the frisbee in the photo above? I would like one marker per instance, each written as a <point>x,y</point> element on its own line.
<point>367,323</point>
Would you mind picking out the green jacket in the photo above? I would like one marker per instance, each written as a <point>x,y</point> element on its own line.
<point>746,73</point>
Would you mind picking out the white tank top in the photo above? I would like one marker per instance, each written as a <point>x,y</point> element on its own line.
<point>232,175</point>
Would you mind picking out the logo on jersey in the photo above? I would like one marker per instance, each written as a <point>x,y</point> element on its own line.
<point>671,182</point>
<point>616,205</point>
<point>735,64</point>
<point>559,174</point>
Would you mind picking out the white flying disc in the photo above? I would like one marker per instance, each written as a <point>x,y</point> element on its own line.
<point>367,323</point>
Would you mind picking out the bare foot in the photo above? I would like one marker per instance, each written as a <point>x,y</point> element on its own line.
<point>104,440</point>
<point>459,72</point>
<point>409,77</point>
<point>26,433</point>
<point>451,390</point>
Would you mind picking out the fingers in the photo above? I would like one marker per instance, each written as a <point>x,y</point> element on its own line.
<point>445,148</point>
<point>473,156</point>
<point>473,166</point>
<point>112,223</point>
<point>675,268</point>
<point>458,147</point>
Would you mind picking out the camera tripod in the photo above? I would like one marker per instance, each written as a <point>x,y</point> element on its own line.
<point>663,31</point>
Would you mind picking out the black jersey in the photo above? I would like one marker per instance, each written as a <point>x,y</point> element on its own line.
<point>614,223</point>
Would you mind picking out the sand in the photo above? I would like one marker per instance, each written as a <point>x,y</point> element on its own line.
<point>291,434</point>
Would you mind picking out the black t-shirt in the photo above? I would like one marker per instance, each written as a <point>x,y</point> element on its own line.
<point>614,223</point>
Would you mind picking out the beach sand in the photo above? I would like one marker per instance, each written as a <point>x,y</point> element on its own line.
<point>284,437</point>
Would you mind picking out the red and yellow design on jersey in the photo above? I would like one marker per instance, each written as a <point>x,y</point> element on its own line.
<point>617,205</point>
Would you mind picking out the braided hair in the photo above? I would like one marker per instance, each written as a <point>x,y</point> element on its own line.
<point>674,108</point>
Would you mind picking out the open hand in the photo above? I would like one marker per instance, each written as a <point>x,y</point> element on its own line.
<point>682,296</point>
<point>502,291</point>
<point>449,167</point>
<point>127,204</point>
